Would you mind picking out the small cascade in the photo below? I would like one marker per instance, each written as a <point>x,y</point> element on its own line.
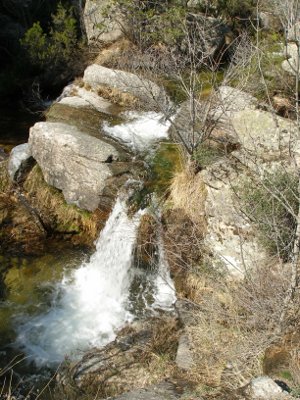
<point>164,289</point>
<point>90,305</point>
<point>140,129</point>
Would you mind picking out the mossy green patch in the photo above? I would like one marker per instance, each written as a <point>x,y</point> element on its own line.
<point>206,155</point>
<point>163,164</point>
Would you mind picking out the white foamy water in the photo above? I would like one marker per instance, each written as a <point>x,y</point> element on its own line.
<point>140,130</point>
<point>92,302</point>
<point>164,289</point>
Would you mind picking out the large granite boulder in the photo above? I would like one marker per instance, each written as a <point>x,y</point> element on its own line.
<point>216,111</point>
<point>150,95</point>
<point>208,35</point>
<point>263,136</point>
<point>98,27</point>
<point>74,162</point>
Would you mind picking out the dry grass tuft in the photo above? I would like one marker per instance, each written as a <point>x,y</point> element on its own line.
<point>4,178</point>
<point>188,192</point>
<point>118,97</point>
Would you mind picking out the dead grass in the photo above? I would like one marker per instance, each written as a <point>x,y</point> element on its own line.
<point>4,178</point>
<point>142,355</point>
<point>118,97</point>
<point>110,56</point>
<point>188,192</point>
<point>57,214</point>
<point>235,324</point>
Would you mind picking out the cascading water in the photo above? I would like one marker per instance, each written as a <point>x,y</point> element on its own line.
<point>94,301</point>
<point>164,289</point>
<point>90,304</point>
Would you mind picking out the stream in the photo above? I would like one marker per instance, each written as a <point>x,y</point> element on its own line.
<point>67,300</point>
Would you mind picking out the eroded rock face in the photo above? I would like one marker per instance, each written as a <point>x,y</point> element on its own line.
<point>98,28</point>
<point>72,161</point>
<point>149,93</point>
<point>263,137</point>
<point>229,234</point>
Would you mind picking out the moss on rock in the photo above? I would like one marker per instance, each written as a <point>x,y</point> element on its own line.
<point>57,215</point>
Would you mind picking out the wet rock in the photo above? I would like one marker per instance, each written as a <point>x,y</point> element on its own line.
<point>72,161</point>
<point>149,93</point>
<point>123,365</point>
<point>60,219</point>
<point>20,232</point>
<point>20,160</point>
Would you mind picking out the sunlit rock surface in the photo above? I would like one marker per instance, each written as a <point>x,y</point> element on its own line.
<point>72,161</point>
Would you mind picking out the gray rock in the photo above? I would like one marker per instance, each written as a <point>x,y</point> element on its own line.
<point>232,100</point>
<point>184,357</point>
<point>149,93</point>
<point>19,159</point>
<point>264,388</point>
<point>263,135</point>
<point>162,391</point>
<point>98,28</point>
<point>72,161</point>
<point>219,109</point>
<point>210,35</point>
<point>290,65</point>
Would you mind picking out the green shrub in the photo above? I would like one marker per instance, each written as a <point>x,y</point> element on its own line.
<point>57,49</point>
<point>272,204</point>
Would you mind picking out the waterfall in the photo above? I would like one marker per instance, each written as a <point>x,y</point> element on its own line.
<point>90,305</point>
<point>164,289</point>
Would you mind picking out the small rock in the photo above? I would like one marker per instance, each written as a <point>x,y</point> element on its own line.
<point>264,388</point>
<point>19,159</point>
<point>184,358</point>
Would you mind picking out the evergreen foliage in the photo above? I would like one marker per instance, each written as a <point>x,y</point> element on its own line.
<point>59,47</point>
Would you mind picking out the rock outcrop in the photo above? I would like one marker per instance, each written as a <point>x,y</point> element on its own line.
<point>264,388</point>
<point>73,162</point>
<point>150,95</point>
<point>125,364</point>
<point>99,26</point>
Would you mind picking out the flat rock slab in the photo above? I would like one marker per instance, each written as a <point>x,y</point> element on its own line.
<point>162,391</point>
<point>184,358</point>
<point>72,161</point>
<point>149,93</point>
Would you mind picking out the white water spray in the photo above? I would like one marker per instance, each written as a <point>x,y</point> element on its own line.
<point>92,302</point>
<point>164,289</point>
<point>140,130</point>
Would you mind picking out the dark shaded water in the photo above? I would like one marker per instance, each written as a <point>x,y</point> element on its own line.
<point>14,126</point>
